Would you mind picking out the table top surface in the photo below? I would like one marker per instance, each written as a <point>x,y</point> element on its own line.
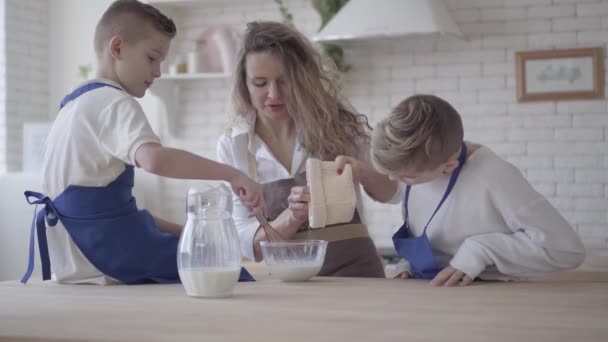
<point>570,308</point>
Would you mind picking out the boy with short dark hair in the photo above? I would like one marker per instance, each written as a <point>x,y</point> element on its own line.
<point>95,232</point>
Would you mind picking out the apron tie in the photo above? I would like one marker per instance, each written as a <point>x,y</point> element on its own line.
<point>50,215</point>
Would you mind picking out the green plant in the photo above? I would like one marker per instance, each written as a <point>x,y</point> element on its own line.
<point>84,70</point>
<point>287,17</point>
<point>327,9</point>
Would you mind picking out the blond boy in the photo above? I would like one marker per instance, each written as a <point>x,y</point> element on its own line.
<point>468,213</point>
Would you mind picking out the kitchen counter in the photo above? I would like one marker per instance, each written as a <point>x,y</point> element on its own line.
<point>570,307</point>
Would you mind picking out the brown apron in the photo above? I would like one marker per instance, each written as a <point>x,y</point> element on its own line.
<point>350,250</point>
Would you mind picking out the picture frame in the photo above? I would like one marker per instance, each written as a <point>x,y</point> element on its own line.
<point>562,74</point>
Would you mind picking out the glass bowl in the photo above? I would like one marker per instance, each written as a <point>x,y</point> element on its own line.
<point>294,260</point>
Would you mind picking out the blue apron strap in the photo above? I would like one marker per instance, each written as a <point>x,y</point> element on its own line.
<point>245,275</point>
<point>405,201</point>
<point>461,159</point>
<point>31,253</point>
<point>49,212</point>
<point>81,90</point>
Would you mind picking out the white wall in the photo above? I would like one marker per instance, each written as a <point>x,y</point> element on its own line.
<point>41,47</point>
<point>24,75</point>
<point>70,33</point>
<point>2,89</point>
<point>562,147</point>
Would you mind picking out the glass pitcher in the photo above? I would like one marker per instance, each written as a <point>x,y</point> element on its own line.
<point>209,258</point>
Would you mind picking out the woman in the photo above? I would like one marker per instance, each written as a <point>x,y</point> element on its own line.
<point>287,109</point>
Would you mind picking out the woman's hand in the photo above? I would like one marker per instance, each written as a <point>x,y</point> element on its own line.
<point>451,276</point>
<point>298,203</point>
<point>289,220</point>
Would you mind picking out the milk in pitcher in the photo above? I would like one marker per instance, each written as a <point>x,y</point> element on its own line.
<point>209,282</point>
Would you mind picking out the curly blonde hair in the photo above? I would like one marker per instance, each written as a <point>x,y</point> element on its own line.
<point>326,125</point>
<point>422,132</point>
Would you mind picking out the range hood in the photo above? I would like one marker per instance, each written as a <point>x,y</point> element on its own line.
<point>364,19</point>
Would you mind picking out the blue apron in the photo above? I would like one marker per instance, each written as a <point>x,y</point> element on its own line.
<point>417,250</point>
<point>118,239</point>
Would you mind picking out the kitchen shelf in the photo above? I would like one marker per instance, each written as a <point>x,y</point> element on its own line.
<point>198,76</point>
<point>171,2</point>
<point>184,3</point>
<point>165,101</point>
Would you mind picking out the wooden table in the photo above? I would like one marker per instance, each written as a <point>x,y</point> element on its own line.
<point>325,309</point>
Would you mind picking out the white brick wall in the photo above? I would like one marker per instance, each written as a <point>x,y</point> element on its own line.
<point>562,147</point>
<point>24,74</point>
<point>3,136</point>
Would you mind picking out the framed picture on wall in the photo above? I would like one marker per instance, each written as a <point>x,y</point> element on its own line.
<point>565,74</point>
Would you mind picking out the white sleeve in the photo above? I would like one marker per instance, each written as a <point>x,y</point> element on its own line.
<point>541,240</point>
<point>402,266</point>
<point>124,128</point>
<point>246,227</point>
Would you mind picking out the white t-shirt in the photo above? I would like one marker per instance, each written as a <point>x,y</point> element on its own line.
<point>493,221</point>
<point>233,148</point>
<point>91,140</point>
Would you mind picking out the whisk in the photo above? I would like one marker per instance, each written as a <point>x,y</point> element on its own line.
<point>271,234</point>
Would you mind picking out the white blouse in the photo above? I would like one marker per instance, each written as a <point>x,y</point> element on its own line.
<point>233,148</point>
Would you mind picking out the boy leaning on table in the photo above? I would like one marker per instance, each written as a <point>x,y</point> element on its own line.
<point>468,213</point>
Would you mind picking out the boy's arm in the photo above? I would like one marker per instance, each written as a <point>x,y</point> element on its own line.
<point>376,185</point>
<point>167,226</point>
<point>379,186</point>
<point>540,241</point>
<point>176,163</point>
<point>518,254</point>
<point>246,226</point>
